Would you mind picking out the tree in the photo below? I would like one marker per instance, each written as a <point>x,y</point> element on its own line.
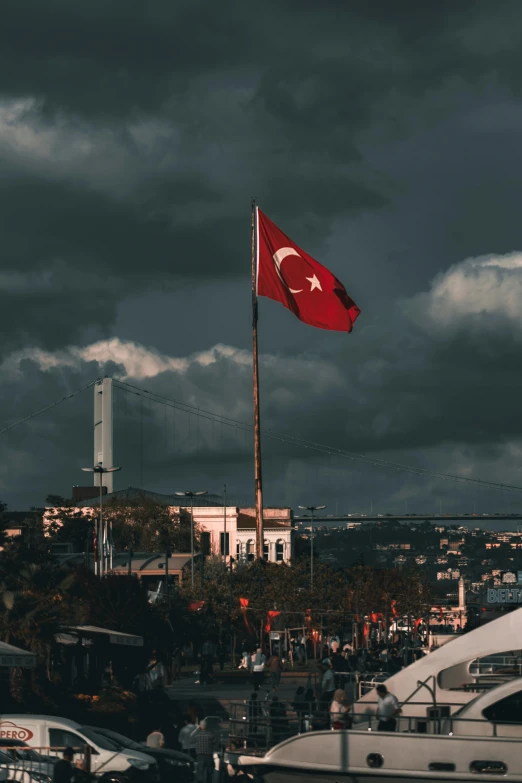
<point>138,525</point>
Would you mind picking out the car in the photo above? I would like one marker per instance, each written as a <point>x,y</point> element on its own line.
<point>22,763</point>
<point>108,761</point>
<point>172,764</point>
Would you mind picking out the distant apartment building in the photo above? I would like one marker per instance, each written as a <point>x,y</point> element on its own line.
<point>386,547</point>
<point>450,573</point>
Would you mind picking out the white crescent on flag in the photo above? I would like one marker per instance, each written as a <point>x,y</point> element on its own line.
<point>279,256</point>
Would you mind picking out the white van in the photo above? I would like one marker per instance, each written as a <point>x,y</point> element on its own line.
<point>107,759</point>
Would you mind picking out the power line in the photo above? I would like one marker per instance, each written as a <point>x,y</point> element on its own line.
<point>49,407</point>
<point>312,445</point>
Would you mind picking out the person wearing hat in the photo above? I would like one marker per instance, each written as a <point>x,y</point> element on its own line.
<point>339,716</point>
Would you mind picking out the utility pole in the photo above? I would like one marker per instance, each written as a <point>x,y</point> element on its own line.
<point>225,544</point>
<point>192,495</point>
<point>311,509</point>
<point>102,558</point>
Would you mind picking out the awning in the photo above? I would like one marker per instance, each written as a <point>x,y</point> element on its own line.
<point>115,637</point>
<point>13,656</point>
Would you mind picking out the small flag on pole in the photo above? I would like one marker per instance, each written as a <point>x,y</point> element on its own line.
<point>290,276</point>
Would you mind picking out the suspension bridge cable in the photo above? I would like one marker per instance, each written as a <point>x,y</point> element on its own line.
<point>50,406</point>
<point>312,445</point>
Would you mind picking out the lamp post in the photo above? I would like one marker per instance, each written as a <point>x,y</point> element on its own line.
<point>192,495</point>
<point>99,567</point>
<point>311,509</point>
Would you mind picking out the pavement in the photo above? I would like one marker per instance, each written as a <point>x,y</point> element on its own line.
<point>228,687</point>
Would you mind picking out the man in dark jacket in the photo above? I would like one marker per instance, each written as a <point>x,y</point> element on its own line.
<point>63,770</point>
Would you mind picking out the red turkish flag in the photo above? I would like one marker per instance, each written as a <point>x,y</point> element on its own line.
<point>290,276</point>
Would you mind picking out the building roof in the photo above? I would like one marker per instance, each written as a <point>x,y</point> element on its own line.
<point>115,637</point>
<point>14,656</point>
<point>249,523</point>
<point>17,518</point>
<point>144,563</point>
<point>133,493</point>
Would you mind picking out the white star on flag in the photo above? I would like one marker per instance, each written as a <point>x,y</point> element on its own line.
<point>314,283</point>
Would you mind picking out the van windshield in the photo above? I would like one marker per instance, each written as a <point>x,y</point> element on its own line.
<point>97,739</point>
<point>120,740</point>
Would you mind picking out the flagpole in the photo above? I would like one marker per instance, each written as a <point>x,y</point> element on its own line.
<point>257,434</point>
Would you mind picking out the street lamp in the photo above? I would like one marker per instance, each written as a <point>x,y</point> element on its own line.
<point>98,527</point>
<point>311,509</point>
<point>192,495</point>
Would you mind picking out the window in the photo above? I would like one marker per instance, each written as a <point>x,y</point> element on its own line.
<point>60,738</point>
<point>238,549</point>
<point>266,550</point>
<point>205,542</point>
<point>250,549</point>
<point>224,543</point>
<point>280,551</point>
<point>508,710</point>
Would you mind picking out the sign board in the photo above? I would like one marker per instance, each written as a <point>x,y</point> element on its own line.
<point>504,595</point>
<point>275,636</point>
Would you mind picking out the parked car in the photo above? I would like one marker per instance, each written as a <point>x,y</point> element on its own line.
<point>22,763</point>
<point>171,763</point>
<point>108,760</point>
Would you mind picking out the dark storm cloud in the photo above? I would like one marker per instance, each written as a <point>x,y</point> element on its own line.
<point>238,103</point>
<point>383,137</point>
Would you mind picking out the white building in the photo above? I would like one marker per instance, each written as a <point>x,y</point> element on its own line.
<point>241,532</point>
<point>240,525</point>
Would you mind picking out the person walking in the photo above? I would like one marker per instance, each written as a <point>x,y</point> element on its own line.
<point>327,685</point>
<point>221,655</point>
<point>388,708</point>
<point>186,736</point>
<point>204,745</point>
<point>207,659</point>
<point>300,706</point>
<point>275,667</point>
<point>258,668</point>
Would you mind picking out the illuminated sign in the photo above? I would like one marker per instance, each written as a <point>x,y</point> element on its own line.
<point>504,595</point>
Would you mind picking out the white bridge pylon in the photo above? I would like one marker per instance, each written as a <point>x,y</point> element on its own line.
<point>103,431</point>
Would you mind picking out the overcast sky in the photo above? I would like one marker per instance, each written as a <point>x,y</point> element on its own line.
<point>382,137</point>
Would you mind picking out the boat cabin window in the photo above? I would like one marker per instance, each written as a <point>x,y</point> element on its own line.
<point>508,710</point>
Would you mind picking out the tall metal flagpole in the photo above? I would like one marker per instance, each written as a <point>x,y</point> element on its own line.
<point>257,434</point>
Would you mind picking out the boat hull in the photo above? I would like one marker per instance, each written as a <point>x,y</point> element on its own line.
<point>372,757</point>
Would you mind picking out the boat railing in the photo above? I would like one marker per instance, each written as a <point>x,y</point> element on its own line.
<point>254,727</point>
<point>502,665</point>
<point>440,724</point>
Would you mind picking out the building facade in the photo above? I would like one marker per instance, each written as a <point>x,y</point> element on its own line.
<point>236,536</point>
<point>229,532</point>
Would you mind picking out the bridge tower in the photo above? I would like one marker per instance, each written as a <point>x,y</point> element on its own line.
<point>103,431</point>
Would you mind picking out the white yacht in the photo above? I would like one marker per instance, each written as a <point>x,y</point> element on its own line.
<point>461,719</point>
